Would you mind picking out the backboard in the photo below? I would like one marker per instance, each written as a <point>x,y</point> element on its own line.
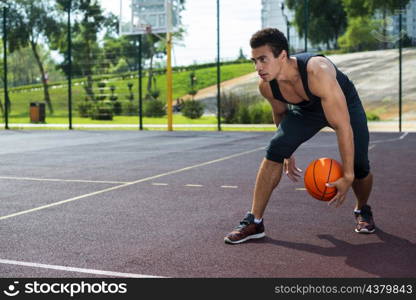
<point>137,16</point>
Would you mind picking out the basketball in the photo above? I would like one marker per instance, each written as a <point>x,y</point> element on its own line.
<point>318,173</point>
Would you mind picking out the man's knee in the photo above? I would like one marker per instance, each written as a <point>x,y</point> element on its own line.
<point>279,150</point>
<point>361,169</point>
<point>275,156</point>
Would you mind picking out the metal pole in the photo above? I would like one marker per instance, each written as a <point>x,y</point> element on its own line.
<point>69,67</point>
<point>140,83</point>
<point>218,68</point>
<point>169,80</point>
<point>6,92</point>
<point>288,33</point>
<point>282,7</point>
<point>400,72</point>
<point>306,16</point>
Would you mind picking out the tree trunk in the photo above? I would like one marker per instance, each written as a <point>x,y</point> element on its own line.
<point>44,82</point>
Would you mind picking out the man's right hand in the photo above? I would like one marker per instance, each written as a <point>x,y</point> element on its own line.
<point>291,170</point>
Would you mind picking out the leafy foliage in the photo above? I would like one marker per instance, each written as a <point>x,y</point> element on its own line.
<point>193,109</point>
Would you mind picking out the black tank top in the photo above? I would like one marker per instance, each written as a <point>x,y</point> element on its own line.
<point>302,60</point>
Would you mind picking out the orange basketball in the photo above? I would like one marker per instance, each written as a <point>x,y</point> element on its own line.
<point>318,173</point>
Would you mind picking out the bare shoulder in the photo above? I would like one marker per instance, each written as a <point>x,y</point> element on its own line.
<point>320,67</point>
<point>322,77</point>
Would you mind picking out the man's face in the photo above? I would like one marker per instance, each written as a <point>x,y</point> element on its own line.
<point>267,66</point>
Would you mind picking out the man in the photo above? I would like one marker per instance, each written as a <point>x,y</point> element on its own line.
<point>320,95</point>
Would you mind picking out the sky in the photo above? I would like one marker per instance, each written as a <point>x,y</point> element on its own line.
<point>239,19</point>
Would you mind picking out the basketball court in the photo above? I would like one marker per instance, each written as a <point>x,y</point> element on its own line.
<point>144,204</point>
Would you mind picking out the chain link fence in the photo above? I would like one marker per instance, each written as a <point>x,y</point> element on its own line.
<point>65,65</point>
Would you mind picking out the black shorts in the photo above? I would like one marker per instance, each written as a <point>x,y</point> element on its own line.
<point>300,124</point>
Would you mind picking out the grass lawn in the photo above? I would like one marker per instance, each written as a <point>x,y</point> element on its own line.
<point>21,98</point>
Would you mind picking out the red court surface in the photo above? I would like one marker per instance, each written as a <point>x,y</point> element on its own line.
<point>140,204</point>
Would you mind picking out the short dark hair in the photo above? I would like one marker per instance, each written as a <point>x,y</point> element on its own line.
<point>271,37</point>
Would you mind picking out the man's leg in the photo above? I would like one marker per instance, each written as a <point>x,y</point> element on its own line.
<point>362,189</point>
<point>296,128</point>
<point>363,183</point>
<point>268,177</point>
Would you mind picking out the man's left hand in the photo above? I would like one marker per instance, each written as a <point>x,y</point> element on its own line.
<point>342,185</point>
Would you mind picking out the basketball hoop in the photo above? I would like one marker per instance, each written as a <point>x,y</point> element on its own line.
<point>148,16</point>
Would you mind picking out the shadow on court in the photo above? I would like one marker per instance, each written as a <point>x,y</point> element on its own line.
<point>392,257</point>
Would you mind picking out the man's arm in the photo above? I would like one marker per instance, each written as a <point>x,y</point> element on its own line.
<point>278,108</point>
<point>323,83</point>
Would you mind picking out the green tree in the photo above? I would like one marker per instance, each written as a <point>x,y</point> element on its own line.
<point>23,68</point>
<point>241,55</point>
<point>88,21</point>
<point>124,47</point>
<point>358,36</point>
<point>31,23</point>
<point>361,8</point>
<point>327,20</point>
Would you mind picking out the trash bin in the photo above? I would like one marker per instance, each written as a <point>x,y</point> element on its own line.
<point>37,112</point>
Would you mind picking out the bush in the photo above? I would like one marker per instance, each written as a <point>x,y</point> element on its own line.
<point>117,109</point>
<point>231,104</point>
<point>256,113</point>
<point>267,113</point>
<point>244,115</point>
<point>372,117</point>
<point>84,109</point>
<point>130,108</point>
<point>154,108</point>
<point>193,109</point>
<point>102,110</point>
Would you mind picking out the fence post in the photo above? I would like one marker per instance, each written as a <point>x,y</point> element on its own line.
<point>400,70</point>
<point>69,66</point>
<point>140,83</point>
<point>218,68</point>
<point>6,92</point>
<point>306,16</point>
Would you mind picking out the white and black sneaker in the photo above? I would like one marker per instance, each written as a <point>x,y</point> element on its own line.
<point>247,230</point>
<point>365,220</point>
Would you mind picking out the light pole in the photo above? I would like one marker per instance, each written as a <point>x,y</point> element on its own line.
<point>282,7</point>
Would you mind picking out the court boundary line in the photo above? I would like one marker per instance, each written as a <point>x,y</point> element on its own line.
<point>390,140</point>
<point>128,184</point>
<point>75,269</point>
<point>62,180</point>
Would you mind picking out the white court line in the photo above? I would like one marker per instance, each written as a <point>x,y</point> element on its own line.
<point>61,180</point>
<point>390,140</point>
<point>77,270</point>
<point>229,186</point>
<point>371,147</point>
<point>193,185</point>
<point>129,183</point>
<point>403,135</point>
<point>163,184</point>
